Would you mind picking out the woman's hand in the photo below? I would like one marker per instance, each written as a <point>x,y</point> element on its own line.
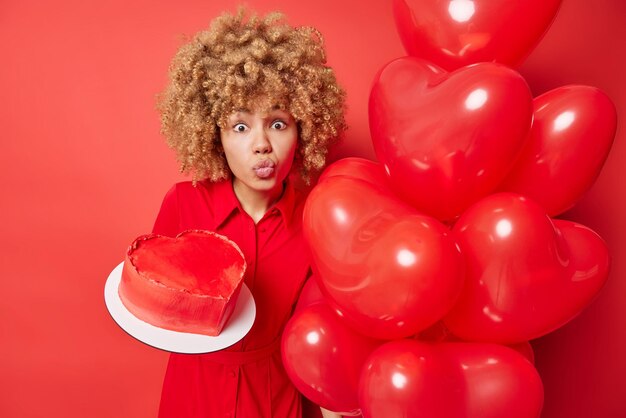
<point>329,414</point>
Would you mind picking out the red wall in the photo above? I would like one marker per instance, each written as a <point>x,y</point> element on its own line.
<point>83,171</point>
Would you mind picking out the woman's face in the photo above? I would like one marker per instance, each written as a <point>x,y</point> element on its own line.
<point>260,148</point>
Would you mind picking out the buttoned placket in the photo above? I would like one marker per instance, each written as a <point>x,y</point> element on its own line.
<point>232,377</point>
<point>254,251</point>
<point>256,233</point>
<point>262,226</point>
<point>233,371</point>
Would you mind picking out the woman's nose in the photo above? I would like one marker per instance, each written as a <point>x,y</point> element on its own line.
<point>262,144</point>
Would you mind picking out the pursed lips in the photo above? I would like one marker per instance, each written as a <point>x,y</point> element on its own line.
<point>264,168</point>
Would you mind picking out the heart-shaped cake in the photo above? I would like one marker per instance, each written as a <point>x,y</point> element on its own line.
<point>189,283</point>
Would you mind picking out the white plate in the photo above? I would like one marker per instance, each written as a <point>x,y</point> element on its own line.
<point>179,342</point>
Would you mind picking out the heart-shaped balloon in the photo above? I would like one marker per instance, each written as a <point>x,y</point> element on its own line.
<point>447,139</point>
<point>571,136</point>
<point>323,358</point>
<point>387,269</point>
<point>358,168</point>
<point>455,33</point>
<point>526,273</point>
<point>412,379</point>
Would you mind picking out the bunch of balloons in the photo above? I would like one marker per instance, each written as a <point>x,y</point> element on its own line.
<point>439,262</point>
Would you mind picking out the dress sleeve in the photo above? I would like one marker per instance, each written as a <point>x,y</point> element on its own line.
<point>167,221</point>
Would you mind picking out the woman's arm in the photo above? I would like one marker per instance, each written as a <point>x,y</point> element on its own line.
<point>167,220</point>
<point>310,294</point>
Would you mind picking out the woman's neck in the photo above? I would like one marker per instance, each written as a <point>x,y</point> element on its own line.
<point>256,202</point>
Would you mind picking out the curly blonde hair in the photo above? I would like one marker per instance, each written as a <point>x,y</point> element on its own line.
<point>240,61</point>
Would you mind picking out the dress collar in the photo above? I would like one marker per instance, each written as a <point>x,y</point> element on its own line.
<point>226,202</point>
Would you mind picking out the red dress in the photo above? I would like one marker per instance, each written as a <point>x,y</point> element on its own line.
<point>248,378</point>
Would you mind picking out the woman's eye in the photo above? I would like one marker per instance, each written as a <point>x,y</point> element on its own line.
<point>240,127</point>
<point>279,124</point>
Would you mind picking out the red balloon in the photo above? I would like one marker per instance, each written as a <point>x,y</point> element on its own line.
<point>323,358</point>
<point>455,33</point>
<point>439,333</point>
<point>411,379</point>
<point>526,274</point>
<point>447,139</point>
<point>525,349</point>
<point>358,168</point>
<point>571,136</point>
<point>389,270</point>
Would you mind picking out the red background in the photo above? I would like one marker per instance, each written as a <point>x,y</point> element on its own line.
<point>83,171</point>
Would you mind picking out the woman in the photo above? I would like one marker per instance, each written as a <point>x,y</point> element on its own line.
<point>250,104</point>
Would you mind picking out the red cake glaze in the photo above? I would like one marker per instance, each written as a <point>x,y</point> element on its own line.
<point>189,283</point>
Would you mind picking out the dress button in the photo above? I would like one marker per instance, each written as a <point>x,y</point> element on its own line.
<point>232,374</point>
